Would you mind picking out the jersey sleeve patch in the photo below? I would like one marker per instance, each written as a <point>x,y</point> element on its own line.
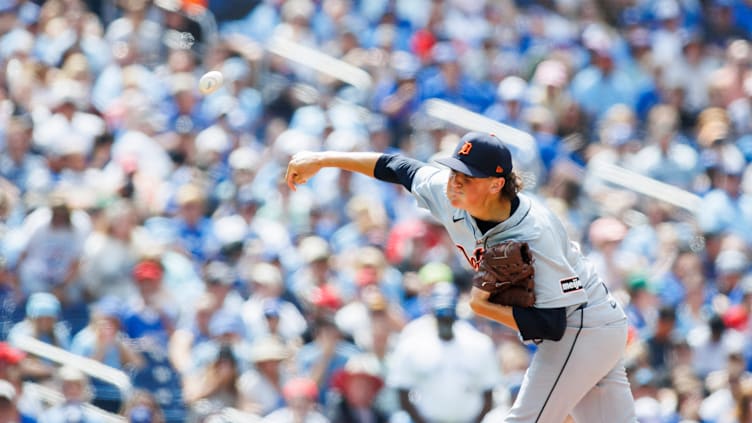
<point>571,284</point>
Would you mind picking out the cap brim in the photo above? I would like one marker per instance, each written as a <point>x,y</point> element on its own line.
<point>459,166</point>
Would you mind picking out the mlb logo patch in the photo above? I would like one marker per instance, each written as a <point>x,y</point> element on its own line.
<point>571,284</point>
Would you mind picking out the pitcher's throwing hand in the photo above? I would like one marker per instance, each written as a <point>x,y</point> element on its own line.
<point>302,166</point>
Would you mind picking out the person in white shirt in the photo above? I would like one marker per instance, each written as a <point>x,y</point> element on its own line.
<point>443,368</point>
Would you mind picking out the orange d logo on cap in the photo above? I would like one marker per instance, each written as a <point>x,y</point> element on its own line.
<point>466,147</point>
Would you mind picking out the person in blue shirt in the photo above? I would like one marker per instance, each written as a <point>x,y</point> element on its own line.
<point>42,321</point>
<point>193,228</point>
<point>452,85</point>
<point>153,313</point>
<point>103,340</point>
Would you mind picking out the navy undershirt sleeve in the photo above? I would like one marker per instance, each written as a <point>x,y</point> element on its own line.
<point>396,169</point>
<point>540,323</point>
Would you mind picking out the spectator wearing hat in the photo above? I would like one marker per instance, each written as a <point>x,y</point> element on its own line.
<point>731,265</point>
<point>324,301</point>
<point>41,323</point>
<point>300,395</point>
<point>193,228</point>
<point>425,365</point>
<point>643,303</point>
<point>511,102</point>
<point>74,385</point>
<point>356,388</point>
<point>152,315</point>
<point>266,301</point>
<point>260,387</point>
<point>104,340</point>
<point>667,36</point>
<point>547,87</point>
<point>418,287</point>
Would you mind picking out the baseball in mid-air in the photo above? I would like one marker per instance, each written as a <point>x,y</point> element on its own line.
<point>210,82</point>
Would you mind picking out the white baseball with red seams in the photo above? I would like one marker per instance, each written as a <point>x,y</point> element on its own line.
<point>210,82</point>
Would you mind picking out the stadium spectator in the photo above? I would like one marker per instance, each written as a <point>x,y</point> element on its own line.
<point>141,407</point>
<point>357,386</point>
<point>215,387</point>
<point>150,315</point>
<point>429,389</point>
<point>76,393</point>
<point>266,302</point>
<point>103,340</point>
<point>326,353</point>
<point>260,387</point>
<point>300,397</point>
<point>43,323</point>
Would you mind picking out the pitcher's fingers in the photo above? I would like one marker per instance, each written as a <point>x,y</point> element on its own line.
<point>291,180</point>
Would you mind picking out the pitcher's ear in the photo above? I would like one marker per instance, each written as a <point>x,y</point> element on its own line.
<point>498,185</point>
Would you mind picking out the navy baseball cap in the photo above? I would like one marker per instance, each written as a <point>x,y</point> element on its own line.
<point>481,156</point>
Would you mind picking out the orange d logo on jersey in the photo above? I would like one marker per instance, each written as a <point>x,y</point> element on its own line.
<point>466,147</point>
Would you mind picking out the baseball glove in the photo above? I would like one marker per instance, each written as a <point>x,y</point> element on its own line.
<point>506,271</point>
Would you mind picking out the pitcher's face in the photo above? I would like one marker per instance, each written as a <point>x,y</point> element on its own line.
<point>465,192</point>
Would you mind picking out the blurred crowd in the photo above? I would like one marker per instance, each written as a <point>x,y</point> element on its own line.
<point>148,227</point>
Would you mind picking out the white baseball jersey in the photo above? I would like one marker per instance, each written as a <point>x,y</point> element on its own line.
<point>582,371</point>
<point>563,277</point>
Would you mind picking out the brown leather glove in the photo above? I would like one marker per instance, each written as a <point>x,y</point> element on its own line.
<point>506,271</point>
